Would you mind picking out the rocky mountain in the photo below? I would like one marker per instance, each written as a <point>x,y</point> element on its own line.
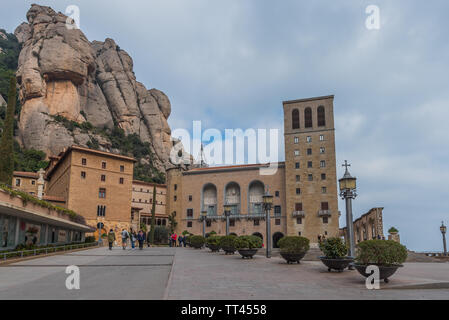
<point>74,91</point>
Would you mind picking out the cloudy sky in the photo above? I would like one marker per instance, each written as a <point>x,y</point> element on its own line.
<point>231,63</point>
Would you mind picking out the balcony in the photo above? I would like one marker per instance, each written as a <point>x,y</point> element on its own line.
<point>324,213</point>
<point>298,214</point>
<point>255,216</point>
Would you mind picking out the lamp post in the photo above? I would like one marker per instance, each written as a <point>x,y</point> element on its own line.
<point>227,212</point>
<point>348,192</point>
<point>203,218</point>
<point>443,232</point>
<point>267,203</point>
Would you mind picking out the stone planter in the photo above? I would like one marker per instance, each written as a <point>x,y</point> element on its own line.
<point>293,257</point>
<point>196,246</point>
<point>338,264</point>
<point>229,250</point>
<point>214,247</point>
<point>384,271</point>
<point>247,253</point>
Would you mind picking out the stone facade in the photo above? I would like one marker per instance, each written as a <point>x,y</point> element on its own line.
<point>142,200</point>
<point>305,195</point>
<point>369,226</point>
<point>25,181</point>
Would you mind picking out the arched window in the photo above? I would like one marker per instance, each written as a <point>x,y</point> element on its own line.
<point>308,117</point>
<point>321,117</point>
<point>295,119</point>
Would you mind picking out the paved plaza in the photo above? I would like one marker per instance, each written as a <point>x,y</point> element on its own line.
<point>186,273</point>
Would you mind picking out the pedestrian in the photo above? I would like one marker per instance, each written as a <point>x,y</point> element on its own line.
<point>111,238</point>
<point>173,239</point>
<point>140,239</point>
<point>170,240</point>
<point>125,236</point>
<point>148,238</point>
<point>180,240</point>
<point>133,239</point>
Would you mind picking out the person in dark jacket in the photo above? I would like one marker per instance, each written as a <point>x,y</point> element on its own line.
<point>111,238</point>
<point>180,239</point>
<point>140,239</point>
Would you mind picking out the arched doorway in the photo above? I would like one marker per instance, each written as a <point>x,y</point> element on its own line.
<point>255,197</point>
<point>276,237</point>
<point>210,199</point>
<point>233,234</point>
<point>258,234</point>
<point>232,197</point>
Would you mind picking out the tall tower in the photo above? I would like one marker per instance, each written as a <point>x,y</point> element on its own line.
<point>310,168</point>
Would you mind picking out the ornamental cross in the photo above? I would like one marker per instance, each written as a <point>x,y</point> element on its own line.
<point>346,165</point>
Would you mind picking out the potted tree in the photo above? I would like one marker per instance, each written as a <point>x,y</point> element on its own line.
<point>293,248</point>
<point>213,243</point>
<point>197,241</point>
<point>335,254</point>
<point>247,246</point>
<point>227,244</point>
<point>388,255</point>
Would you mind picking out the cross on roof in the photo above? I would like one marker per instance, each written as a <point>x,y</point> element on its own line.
<point>346,165</point>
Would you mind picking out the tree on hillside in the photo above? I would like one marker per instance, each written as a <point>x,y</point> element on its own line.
<point>153,216</point>
<point>6,141</point>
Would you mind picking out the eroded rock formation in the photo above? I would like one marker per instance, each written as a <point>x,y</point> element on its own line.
<point>61,73</point>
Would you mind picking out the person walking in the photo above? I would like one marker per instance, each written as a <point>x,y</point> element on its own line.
<point>174,237</point>
<point>125,236</point>
<point>111,238</point>
<point>140,239</point>
<point>133,239</point>
<point>180,240</point>
<point>170,240</point>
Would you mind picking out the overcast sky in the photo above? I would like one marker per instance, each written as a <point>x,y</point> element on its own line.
<point>231,63</point>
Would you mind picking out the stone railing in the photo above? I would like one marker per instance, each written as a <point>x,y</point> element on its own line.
<point>324,213</point>
<point>298,214</point>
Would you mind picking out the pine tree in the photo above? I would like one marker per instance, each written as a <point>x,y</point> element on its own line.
<point>6,141</point>
<point>153,216</point>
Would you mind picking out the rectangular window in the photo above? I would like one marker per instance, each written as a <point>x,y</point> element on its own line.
<point>296,139</point>
<point>323,176</point>
<point>276,193</point>
<point>297,165</point>
<point>256,222</point>
<point>103,165</point>
<point>309,151</point>
<point>103,177</point>
<point>321,137</point>
<point>324,206</point>
<point>323,190</point>
<point>299,233</point>
<point>189,224</point>
<point>325,219</point>
<point>298,178</point>
<point>309,164</point>
<point>17,182</point>
<point>33,182</point>
<point>298,190</point>
<point>277,211</point>
<point>322,150</point>
<point>232,223</point>
<point>310,177</point>
<point>208,223</point>
<point>322,164</point>
<point>190,213</point>
<point>190,198</point>
<point>309,139</point>
<point>83,161</point>
<point>176,187</point>
<point>277,222</point>
<point>83,174</point>
<point>121,180</point>
<point>296,153</point>
<point>175,198</point>
<point>299,221</point>
<point>102,193</point>
<point>101,211</point>
<point>122,168</point>
<point>298,206</point>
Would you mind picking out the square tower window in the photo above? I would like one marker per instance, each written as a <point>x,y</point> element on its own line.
<point>83,161</point>
<point>323,176</point>
<point>309,139</point>
<point>297,165</point>
<point>309,151</point>
<point>322,149</point>
<point>296,140</point>
<point>103,165</point>
<point>321,137</point>
<point>322,164</point>
<point>298,190</point>
<point>309,164</point>
<point>296,153</point>
<point>299,221</point>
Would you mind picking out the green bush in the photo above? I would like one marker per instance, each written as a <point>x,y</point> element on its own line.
<point>393,230</point>
<point>213,240</point>
<point>248,242</point>
<point>197,241</point>
<point>227,241</point>
<point>381,252</point>
<point>89,239</point>
<point>334,248</point>
<point>160,235</point>
<point>293,244</point>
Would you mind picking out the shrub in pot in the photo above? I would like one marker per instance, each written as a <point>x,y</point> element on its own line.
<point>293,248</point>
<point>227,244</point>
<point>335,254</point>
<point>388,255</point>
<point>213,243</point>
<point>197,241</point>
<point>247,246</point>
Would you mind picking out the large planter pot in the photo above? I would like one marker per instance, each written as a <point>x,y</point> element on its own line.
<point>293,257</point>
<point>196,246</point>
<point>214,247</point>
<point>338,264</point>
<point>384,271</point>
<point>247,253</point>
<point>229,250</point>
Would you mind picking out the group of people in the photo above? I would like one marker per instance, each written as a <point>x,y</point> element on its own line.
<point>174,237</point>
<point>132,236</point>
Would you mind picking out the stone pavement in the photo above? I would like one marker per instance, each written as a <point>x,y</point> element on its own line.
<point>201,274</point>
<point>104,274</point>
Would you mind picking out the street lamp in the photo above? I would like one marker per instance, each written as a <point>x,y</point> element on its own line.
<point>203,218</point>
<point>443,232</point>
<point>267,204</point>
<point>227,212</point>
<point>348,192</point>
